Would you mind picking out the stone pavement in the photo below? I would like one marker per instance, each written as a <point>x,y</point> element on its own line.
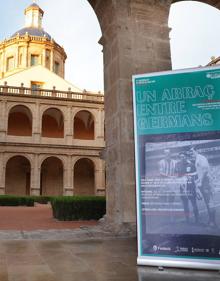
<point>82,260</point>
<point>83,253</point>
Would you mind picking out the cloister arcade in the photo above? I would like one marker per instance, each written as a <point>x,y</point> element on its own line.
<point>20,123</point>
<point>20,174</point>
<point>51,146</point>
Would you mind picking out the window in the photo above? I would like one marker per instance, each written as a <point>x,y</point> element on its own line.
<point>34,60</point>
<point>56,67</point>
<point>36,85</point>
<point>10,63</point>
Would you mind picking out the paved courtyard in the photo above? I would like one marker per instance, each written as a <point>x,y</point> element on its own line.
<point>92,260</point>
<point>73,252</point>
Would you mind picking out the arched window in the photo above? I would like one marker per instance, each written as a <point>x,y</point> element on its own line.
<point>52,123</point>
<point>84,177</point>
<point>84,126</point>
<point>17,178</point>
<point>20,121</point>
<point>51,177</point>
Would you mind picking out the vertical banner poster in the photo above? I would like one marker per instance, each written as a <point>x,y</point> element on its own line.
<point>177,151</point>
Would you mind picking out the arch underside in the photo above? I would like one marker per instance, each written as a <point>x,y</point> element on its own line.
<point>17,176</point>
<point>84,177</point>
<point>214,3</point>
<point>51,177</point>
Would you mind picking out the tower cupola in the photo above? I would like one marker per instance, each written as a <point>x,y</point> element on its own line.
<point>31,46</point>
<point>33,16</point>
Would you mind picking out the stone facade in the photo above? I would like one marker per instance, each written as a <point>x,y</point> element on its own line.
<point>15,141</point>
<point>50,140</point>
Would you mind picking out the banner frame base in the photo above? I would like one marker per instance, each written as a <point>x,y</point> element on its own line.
<point>203,264</point>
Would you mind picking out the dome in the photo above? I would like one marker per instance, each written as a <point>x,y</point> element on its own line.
<point>32,31</point>
<point>33,5</point>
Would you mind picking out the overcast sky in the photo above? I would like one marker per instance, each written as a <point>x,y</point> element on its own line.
<point>194,37</point>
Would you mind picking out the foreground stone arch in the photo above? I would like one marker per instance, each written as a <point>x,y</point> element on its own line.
<point>18,176</point>
<point>135,39</point>
<point>19,121</point>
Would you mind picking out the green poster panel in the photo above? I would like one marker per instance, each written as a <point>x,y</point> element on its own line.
<point>177,155</point>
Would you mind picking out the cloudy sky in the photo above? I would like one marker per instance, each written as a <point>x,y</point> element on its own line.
<point>73,24</point>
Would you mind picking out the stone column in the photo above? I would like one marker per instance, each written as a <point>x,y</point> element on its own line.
<point>51,59</point>
<point>100,178</point>
<point>4,63</point>
<point>4,120</point>
<point>68,177</point>
<point>44,57</point>
<point>99,126</point>
<point>26,56</point>
<point>35,176</point>
<point>135,40</point>
<point>36,123</point>
<point>17,58</point>
<point>2,174</point>
<point>68,126</point>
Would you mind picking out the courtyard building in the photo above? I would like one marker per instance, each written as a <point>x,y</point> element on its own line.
<point>51,132</point>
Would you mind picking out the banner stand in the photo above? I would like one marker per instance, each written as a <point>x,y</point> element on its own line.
<point>177,161</point>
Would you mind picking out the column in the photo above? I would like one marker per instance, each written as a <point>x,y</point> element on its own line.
<point>36,126</point>
<point>35,176</point>
<point>135,40</point>
<point>100,178</point>
<point>68,178</point>
<point>4,120</point>
<point>4,62</point>
<point>2,174</point>
<point>51,59</point>
<point>17,58</point>
<point>68,125</point>
<point>26,63</point>
<point>100,125</point>
<point>44,57</point>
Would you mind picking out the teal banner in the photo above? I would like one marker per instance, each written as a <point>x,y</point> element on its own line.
<point>177,159</point>
<point>178,102</point>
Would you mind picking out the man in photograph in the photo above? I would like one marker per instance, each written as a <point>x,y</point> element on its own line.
<point>167,165</point>
<point>167,172</point>
<point>186,172</point>
<point>203,183</point>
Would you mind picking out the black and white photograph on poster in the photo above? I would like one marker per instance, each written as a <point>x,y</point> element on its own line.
<point>180,188</point>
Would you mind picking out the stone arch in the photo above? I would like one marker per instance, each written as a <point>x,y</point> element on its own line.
<point>135,39</point>
<point>53,123</point>
<point>52,171</point>
<point>213,3</point>
<point>18,175</point>
<point>19,121</point>
<point>84,177</point>
<point>84,125</point>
